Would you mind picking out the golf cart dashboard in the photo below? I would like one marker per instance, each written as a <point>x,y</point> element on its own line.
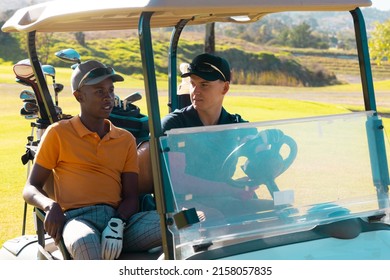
<point>306,174</point>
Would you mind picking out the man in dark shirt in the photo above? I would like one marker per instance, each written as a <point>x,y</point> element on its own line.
<point>210,82</point>
<point>195,172</point>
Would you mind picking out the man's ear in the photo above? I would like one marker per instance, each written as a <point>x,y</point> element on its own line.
<point>226,87</point>
<point>79,97</point>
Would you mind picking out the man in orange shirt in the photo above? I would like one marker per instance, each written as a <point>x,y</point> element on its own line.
<point>95,169</point>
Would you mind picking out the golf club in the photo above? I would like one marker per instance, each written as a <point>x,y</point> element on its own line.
<point>31,116</point>
<point>117,101</point>
<point>31,107</point>
<point>19,81</point>
<point>58,110</point>
<point>27,94</point>
<point>49,70</point>
<point>69,55</point>
<point>58,87</point>
<point>25,75</point>
<point>23,69</point>
<point>30,100</point>
<point>131,98</point>
<point>24,112</point>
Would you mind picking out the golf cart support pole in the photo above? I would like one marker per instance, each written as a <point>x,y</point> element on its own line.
<point>364,60</point>
<point>46,107</point>
<point>159,180</point>
<point>50,115</point>
<point>374,126</point>
<point>173,102</point>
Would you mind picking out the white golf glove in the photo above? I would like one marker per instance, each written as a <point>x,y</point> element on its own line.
<point>112,239</point>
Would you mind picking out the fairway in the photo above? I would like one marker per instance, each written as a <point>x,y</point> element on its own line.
<point>274,103</point>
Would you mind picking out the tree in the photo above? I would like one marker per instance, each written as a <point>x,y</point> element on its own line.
<point>300,36</point>
<point>80,38</point>
<point>380,42</point>
<point>3,36</point>
<point>44,43</point>
<point>209,43</point>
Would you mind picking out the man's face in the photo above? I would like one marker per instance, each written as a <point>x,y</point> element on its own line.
<point>97,100</point>
<point>207,95</point>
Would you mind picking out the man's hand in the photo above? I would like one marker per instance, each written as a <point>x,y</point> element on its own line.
<point>54,222</point>
<point>112,239</point>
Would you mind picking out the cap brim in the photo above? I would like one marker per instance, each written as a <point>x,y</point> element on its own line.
<point>114,77</point>
<point>208,76</point>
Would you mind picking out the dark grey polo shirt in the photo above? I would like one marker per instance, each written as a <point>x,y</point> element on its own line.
<point>211,148</point>
<point>188,117</point>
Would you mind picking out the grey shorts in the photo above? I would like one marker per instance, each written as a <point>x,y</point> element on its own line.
<point>83,228</point>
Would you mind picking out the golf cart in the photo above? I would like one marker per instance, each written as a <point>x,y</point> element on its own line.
<point>323,181</point>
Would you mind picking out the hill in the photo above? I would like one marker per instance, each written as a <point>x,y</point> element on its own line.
<point>252,63</point>
<point>278,67</point>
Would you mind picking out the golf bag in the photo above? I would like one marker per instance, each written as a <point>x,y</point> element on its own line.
<point>132,120</point>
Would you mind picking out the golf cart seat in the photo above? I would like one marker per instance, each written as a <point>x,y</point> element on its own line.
<point>46,248</point>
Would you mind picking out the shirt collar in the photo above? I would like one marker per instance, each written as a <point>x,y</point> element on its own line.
<point>83,131</point>
<point>224,117</point>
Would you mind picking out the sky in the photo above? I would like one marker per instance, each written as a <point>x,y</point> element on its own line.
<point>383,5</point>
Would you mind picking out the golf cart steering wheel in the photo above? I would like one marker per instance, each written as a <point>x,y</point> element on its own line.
<point>264,161</point>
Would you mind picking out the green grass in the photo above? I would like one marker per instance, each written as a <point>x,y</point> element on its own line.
<point>15,129</point>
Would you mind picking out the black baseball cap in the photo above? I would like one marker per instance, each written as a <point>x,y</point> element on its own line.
<point>209,67</point>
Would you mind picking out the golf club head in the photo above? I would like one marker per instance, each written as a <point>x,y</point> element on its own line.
<point>31,116</point>
<point>58,110</point>
<point>117,101</point>
<point>27,94</point>
<point>24,73</point>
<point>58,87</point>
<point>49,70</point>
<point>30,100</point>
<point>24,112</point>
<point>184,67</point>
<point>23,69</point>
<point>31,107</point>
<point>22,82</point>
<point>131,98</point>
<point>69,55</point>
<point>184,87</point>
<point>135,96</point>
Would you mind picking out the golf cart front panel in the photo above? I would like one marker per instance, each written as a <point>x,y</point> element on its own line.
<point>317,177</point>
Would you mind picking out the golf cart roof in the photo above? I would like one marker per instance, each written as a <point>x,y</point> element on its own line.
<point>90,15</point>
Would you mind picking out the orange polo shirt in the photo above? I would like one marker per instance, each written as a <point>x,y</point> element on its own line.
<point>87,170</point>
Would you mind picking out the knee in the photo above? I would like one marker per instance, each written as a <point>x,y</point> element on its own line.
<point>81,241</point>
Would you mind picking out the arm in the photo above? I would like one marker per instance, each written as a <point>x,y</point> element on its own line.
<point>129,203</point>
<point>112,235</point>
<point>34,194</point>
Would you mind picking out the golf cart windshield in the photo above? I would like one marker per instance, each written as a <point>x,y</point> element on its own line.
<point>321,171</point>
